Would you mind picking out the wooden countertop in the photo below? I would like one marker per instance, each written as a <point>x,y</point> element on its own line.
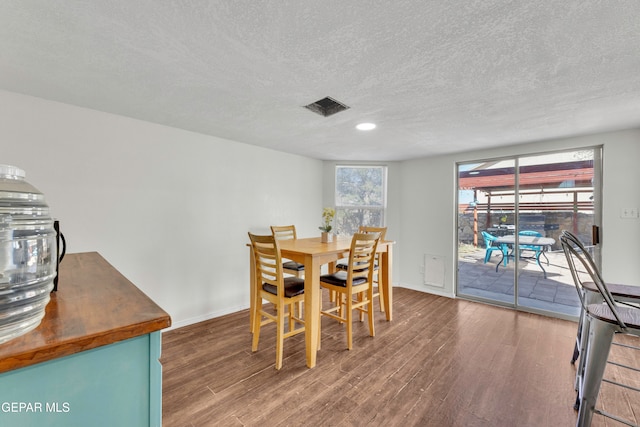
<point>95,305</point>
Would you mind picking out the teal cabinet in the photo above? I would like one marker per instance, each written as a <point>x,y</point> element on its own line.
<point>118,384</point>
<point>94,360</point>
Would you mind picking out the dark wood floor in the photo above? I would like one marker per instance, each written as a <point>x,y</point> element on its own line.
<point>440,362</point>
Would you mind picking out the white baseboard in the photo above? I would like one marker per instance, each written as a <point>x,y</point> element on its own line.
<point>207,316</point>
<point>220,313</point>
<point>427,290</point>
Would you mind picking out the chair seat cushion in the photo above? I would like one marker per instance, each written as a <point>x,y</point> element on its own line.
<point>629,315</point>
<point>617,290</point>
<point>292,265</point>
<point>293,286</point>
<point>340,279</point>
<point>345,267</point>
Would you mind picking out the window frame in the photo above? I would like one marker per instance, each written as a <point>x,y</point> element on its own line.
<point>382,208</point>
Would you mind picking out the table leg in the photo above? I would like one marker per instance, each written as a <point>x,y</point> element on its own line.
<point>385,280</point>
<point>311,308</point>
<point>540,265</point>
<point>500,262</point>
<point>504,259</point>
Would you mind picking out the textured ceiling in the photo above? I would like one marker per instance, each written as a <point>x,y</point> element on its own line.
<point>436,76</point>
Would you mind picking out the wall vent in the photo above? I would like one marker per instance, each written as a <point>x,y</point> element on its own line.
<point>326,106</point>
<point>434,270</point>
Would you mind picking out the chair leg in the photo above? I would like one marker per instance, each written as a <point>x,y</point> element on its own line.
<point>584,340</point>
<point>349,321</point>
<point>576,354</point>
<point>582,351</point>
<point>257,319</point>
<point>291,314</point>
<point>579,335</point>
<point>319,341</point>
<point>372,331</point>
<point>280,335</point>
<point>599,344</point>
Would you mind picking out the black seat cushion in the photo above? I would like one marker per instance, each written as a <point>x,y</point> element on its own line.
<point>293,286</point>
<point>342,266</point>
<point>292,265</point>
<point>340,279</point>
<point>345,267</point>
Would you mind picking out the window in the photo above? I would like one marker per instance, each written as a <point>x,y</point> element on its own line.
<point>360,197</point>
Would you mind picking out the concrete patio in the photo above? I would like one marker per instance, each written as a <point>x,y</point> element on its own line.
<point>555,293</point>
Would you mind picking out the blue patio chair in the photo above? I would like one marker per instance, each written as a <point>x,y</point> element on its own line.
<point>537,250</point>
<point>489,240</point>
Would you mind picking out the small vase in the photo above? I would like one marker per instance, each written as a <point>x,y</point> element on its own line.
<point>326,237</point>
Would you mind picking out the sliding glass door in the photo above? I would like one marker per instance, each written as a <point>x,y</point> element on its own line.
<point>483,218</point>
<point>510,216</point>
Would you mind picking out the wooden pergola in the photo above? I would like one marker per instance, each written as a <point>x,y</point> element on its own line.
<point>499,183</point>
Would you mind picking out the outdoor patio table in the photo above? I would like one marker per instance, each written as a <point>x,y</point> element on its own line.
<point>542,242</point>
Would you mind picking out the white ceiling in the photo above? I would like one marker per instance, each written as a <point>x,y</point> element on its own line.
<point>436,76</point>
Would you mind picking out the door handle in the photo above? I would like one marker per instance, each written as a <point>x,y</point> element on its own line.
<point>595,234</point>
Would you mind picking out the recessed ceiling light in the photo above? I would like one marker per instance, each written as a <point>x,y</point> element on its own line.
<point>366,126</point>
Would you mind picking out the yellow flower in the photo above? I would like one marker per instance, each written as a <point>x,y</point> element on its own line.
<point>327,217</point>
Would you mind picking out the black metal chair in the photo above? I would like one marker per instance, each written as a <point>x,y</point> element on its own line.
<point>603,317</point>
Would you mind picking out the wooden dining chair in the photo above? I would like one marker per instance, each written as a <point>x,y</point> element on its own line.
<point>285,293</point>
<point>379,293</point>
<point>604,318</point>
<point>353,287</point>
<point>285,232</point>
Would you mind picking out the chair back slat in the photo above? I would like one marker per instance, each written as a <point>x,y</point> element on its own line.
<point>268,261</point>
<point>362,254</point>
<point>367,229</point>
<point>283,232</point>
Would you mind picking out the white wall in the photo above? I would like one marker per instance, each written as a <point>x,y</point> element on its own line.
<point>428,210</point>
<point>168,208</point>
<point>171,208</point>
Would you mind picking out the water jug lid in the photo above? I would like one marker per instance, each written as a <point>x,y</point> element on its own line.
<point>11,171</point>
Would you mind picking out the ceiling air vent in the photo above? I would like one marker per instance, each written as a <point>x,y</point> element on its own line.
<point>326,106</point>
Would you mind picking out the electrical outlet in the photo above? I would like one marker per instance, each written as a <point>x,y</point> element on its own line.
<point>629,213</point>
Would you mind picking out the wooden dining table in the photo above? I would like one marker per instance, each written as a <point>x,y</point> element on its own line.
<point>314,254</point>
